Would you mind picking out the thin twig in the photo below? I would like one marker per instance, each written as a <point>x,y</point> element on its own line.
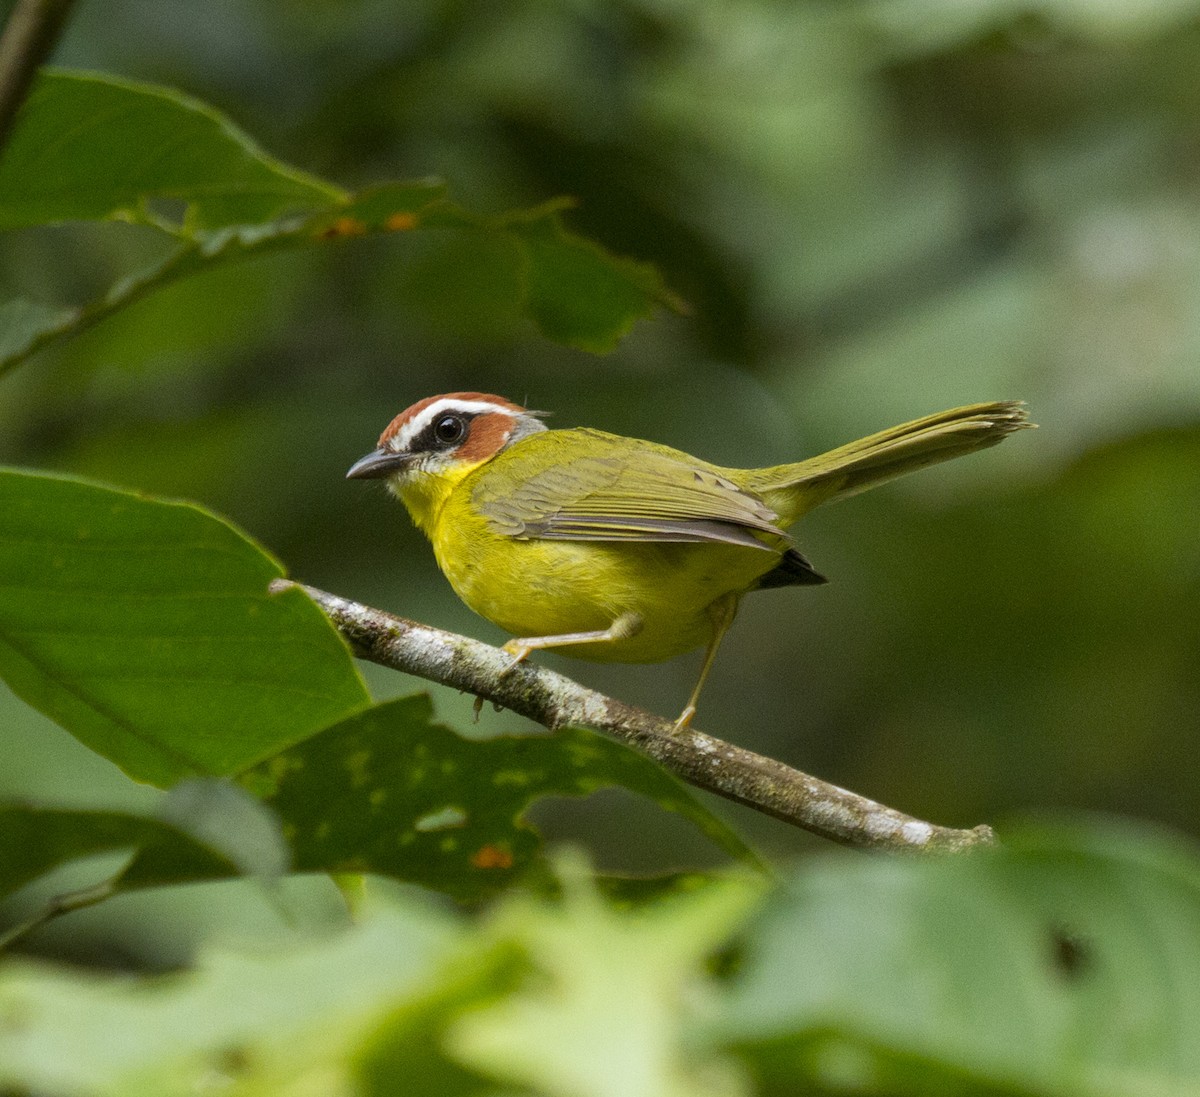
<point>29,37</point>
<point>57,907</point>
<point>711,764</point>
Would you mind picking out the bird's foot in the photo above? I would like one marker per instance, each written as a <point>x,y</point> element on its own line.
<point>685,718</point>
<point>519,651</point>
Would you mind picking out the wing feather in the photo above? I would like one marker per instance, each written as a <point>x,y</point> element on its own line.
<point>585,485</point>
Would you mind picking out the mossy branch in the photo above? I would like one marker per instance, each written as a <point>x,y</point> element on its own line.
<point>555,701</point>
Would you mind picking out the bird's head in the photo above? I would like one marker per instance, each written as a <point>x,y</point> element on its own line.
<point>431,446</point>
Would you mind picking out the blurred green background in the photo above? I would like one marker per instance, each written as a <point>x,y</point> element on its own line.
<point>875,210</point>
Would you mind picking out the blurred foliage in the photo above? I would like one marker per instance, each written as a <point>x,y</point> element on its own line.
<point>873,209</point>
<point>1035,972</point>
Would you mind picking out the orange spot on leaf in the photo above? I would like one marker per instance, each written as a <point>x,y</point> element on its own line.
<point>400,222</point>
<point>492,857</point>
<point>343,226</point>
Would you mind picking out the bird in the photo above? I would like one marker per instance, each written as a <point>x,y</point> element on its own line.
<point>617,549</point>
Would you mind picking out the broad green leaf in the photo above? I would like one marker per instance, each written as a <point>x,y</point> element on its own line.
<point>392,793</point>
<point>145,628</point>
<point>90,147</point>
<point>573,290</point>
<point>386,792</point>
<point>1068,964</point>
<point>287,1021</point>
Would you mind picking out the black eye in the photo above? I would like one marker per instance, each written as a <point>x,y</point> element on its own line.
<point>449,429</point>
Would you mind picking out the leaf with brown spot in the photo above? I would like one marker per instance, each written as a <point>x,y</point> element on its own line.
<point>390,791</point>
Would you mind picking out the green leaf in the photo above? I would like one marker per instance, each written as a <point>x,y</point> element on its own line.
<point>572,997</point>
<point>1066,964</point>
<point>26,325</point>
<point>222,817</point>
<point>206,829</point>
<point>209,829</point>
<point>34,840</point>
<point>287,1021</point>
<point>386,792</point>
<point>145,628</point>
<point>605,1015</point>
<point>408,1044</point>
<point>571,289</point>
<point>579,294</point>
<point>91,147</point>
<point>390,792</point>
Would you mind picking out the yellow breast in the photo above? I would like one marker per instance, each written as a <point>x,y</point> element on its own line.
<point>532,587</point>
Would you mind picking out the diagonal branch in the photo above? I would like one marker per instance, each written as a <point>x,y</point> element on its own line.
<point>29,37</point>
<point>711,764</point>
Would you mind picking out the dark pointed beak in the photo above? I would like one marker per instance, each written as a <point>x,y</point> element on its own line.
<point>375,466</point>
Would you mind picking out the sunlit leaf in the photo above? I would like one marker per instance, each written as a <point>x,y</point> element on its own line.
<point>605,1017</point>
<point>409,1042</point>
<point>243,1022</point>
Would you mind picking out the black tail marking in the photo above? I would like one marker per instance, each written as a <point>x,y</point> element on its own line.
<point>792,570</point>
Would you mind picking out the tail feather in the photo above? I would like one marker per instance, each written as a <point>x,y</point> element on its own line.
<point>792,490</point>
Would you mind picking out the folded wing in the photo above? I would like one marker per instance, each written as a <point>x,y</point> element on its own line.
<point>585,485</point>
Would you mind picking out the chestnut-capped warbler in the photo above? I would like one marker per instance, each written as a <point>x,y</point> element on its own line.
<point>617,549</point>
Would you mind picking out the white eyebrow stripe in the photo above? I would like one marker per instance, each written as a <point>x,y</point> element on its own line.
<point>419,422</point>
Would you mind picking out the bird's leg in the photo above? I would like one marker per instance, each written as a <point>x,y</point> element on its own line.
<point>625,626</point>
<point>722,612</point>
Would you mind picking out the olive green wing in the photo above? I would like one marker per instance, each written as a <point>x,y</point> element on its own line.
<point>585,485</point>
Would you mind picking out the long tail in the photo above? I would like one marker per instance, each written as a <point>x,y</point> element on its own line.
<point>792,490</point>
